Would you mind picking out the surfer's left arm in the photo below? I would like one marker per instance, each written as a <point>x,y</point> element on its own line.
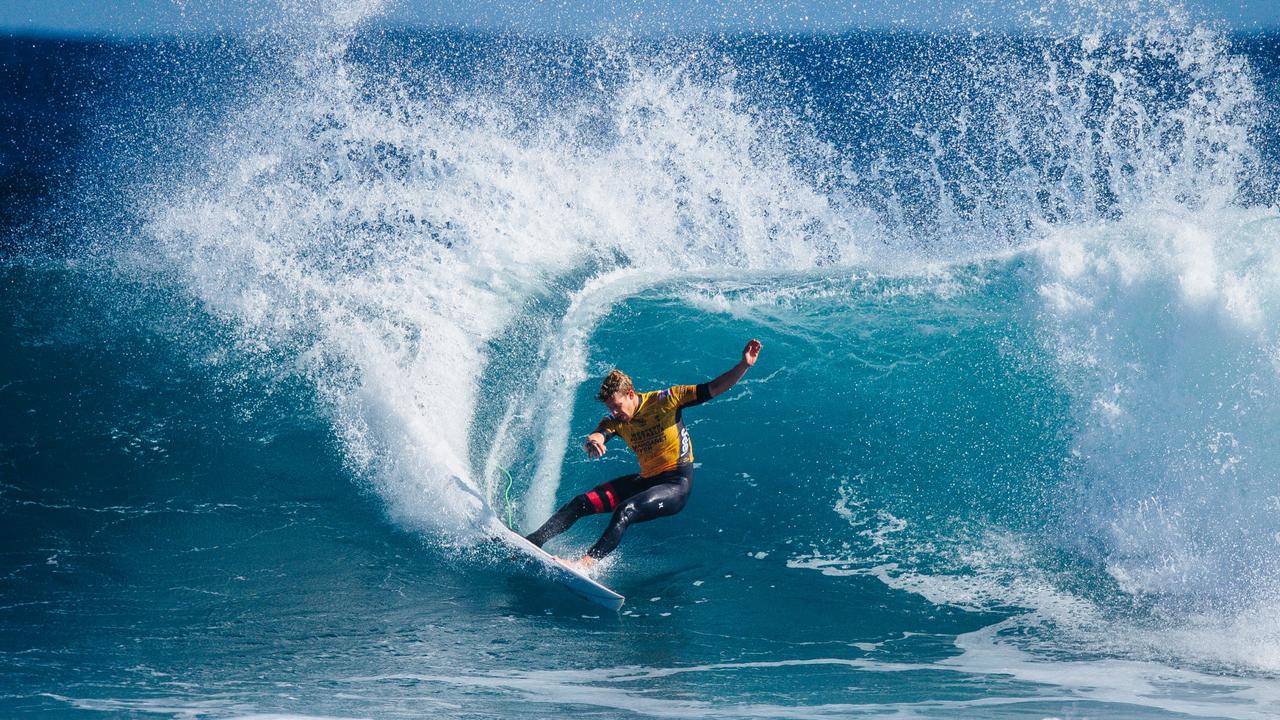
<point>749,355</point>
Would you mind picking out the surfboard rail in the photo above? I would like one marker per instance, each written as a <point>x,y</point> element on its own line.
<point>577,583</point>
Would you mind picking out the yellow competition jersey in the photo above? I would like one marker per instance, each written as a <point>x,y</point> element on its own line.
<point>656,433</point>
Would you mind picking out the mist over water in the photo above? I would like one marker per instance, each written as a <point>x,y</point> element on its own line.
<point>1018,292</point>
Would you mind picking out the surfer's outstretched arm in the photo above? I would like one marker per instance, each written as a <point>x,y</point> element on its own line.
<point>749,355</point>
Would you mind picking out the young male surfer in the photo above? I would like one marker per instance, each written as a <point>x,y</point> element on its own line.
<point>651,424</point>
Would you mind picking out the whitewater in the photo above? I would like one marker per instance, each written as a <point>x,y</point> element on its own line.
<point>294,319</point>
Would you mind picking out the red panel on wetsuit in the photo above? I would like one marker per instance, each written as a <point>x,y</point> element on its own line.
<point>594,497</point>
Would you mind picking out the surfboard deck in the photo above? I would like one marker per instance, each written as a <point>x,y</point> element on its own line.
<point>577,583</point>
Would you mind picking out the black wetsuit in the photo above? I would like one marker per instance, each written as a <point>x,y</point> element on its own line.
<point>631,499</point>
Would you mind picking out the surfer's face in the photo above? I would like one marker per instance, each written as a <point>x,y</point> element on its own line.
<point>622,406</point>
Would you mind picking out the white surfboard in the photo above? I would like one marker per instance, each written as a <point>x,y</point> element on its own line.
<point>577,583</point>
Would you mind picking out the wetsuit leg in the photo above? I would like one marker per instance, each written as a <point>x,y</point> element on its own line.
<point>666,497</point>
<point>601,498</point>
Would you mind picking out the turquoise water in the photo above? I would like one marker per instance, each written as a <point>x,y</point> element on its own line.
<point>1006,452</point>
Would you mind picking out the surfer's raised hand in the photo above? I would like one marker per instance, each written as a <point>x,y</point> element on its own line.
<point>749,355</point>
<point>594,445</point>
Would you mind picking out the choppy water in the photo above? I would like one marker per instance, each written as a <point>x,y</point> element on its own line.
<point>1009,450</point>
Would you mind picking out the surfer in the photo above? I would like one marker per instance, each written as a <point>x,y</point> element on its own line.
<point>651,424</point>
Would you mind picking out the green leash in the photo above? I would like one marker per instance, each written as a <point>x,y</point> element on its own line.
<point>506,494</point>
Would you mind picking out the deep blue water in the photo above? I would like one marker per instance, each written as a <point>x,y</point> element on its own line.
<point>1008,451</point>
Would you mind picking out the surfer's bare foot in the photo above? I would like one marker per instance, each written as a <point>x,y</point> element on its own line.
<point>582,565</point>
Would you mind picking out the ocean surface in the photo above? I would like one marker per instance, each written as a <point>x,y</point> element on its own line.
<point>292,319</point>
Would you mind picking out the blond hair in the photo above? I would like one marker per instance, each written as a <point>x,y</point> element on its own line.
<point>615,382</point>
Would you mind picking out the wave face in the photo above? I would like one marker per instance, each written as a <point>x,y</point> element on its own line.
<point>301,316</point>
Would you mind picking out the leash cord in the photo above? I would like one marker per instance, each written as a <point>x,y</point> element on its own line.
<point>506,494</point>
